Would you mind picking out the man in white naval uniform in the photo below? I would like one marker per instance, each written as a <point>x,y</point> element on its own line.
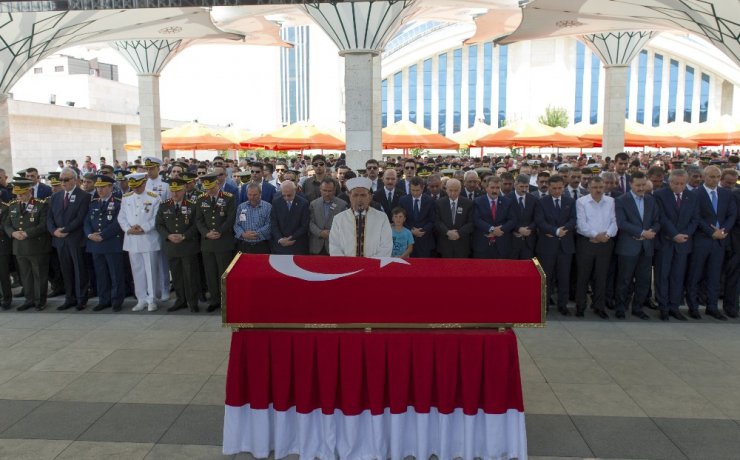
<point>157,185</point>
<point>360,231</point>
<point>137,219</point>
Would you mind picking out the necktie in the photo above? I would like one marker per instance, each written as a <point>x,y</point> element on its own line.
<point>557,204</point>
<point>66,199</point>
<point>177,209</point>
<point>641,207</point>
<point>390,197</point>
<point>289,203</point>
<point>521,201</point>
<point>678,200</point>
<point>493,210</point>
<point>416,209</point>
<point>714,204</point>
<point>621,184</point>
<point>453,210</point>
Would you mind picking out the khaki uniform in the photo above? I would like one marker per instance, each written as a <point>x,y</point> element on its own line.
<point>32,253</point>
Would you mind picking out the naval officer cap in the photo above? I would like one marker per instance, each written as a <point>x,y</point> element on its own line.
<point>362,182</point>
<point>152,162</point>
<point>136,179</point>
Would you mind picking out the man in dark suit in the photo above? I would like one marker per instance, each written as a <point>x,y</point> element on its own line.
<point>454,223</point>
<point>289,222</point>
<point>471,186</point>
<point>621,164</point>
<point>409,172</point>
<point>65,222</point>
<point>679,219</point>
<point>223,184</point>
<point>420,212</point>
<point>524,236</point>
<point>638,220</point>
<point>717,214</point>
<point>105,243</point>
<point>389,196</point>
<point>434,187</point>
<point>40,190</point>
<point>556,223</point>
<point>494,216</point>
<point>268,190</point>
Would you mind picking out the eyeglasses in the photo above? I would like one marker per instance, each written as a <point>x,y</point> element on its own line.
<point>201,173</point>
<point>371,167</point>
<point>409,167</point>
<point>65,179</point>
<point>280,169</point>
<point>257,171</point>
<point>319,163</point>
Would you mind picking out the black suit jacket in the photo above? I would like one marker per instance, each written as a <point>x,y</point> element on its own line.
<point>525,218</point>
<point>44,191</point>
<point>631,225</point>
<point>381,197</point>
<point>463,224</point>
<point>476,194</point>
<point>424,245</point>
<point>506,215</point>
<point>293,223</point>
<point>549,220</point>
<point>725,215</point>
<point>71,219</point>
<point>674,220</point>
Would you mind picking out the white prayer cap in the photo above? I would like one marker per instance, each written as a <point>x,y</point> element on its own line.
<point>355,182</point>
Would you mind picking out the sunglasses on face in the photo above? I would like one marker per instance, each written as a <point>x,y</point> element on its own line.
<point>201,173</point>
<point>371,167</point>
<point>256,171</point>
<point>65,179</point>
<point>318,164</point>
<point>409,167</point>
<point>280,170</point>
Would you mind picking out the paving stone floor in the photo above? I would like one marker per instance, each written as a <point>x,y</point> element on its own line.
<point>79,385</point>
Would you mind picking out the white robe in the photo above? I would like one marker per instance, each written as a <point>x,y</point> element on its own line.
<point>378,234</point>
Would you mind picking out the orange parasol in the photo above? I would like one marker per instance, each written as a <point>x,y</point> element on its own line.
<point>638,135</point>
<point>531,134</point>
<point>190,136</point>
<point>298,136</point>
<point>406,135</point>
<point>469,136</point>
<point>721,131</point>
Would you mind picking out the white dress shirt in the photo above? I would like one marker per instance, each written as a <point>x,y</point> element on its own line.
<point>593,218</point>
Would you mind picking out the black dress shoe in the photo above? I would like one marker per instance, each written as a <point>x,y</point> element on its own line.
<point>56,293</point>
<point>664,316</point>
<point>731,314</point>
<point>694,314</point>
<point>81,306</point>
<point>650,304</point>
<point>640,314</point>
<point>716,315</point>
<point>579,314</point>
<point>194,309</point>
<point>25,306</point>
<point>40,306</point>
<point>101,307</point>
<point>564,311</point>
<point>602,314</point>
<point>116,308</point>
<point>678,315</point>
<point>66,306</point>
<point>177,307</point>
<point>619,315</point>
<point>214,307</point>
<point>6,304</point>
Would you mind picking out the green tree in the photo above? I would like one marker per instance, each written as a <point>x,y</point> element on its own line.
<point>554,117</point>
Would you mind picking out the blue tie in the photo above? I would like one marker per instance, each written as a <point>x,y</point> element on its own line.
<point>714,204</point>
<point>641,208</point>
<point>416,209</point>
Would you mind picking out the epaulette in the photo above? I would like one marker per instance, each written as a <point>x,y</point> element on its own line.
<point>228,194</point>
<point>115,198</point>
<point>128,193</point>
<point>41,200</point>
<point>12,202</point>
<point>152,194</point>
<point>193,201</point>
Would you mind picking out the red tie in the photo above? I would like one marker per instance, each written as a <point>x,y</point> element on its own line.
<point>493,210</point>
<point>678,200</point>
<point>66,199</point>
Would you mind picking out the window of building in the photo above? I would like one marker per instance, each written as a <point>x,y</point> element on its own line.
<point>384,102</point>
<point>503,72</point>
<point>595,73</point>
<point>412,93</point>
<point>397,95</point>
<point>672,91</point>
<point>457,89</point>
<point>294,80</point>
<point>641,82</point>
<point>704,98</point>
<point>428,94</point>
<point>38,70</point>
<point>657,88</point>
<point>472,82</point>
<point>487,83</point>
<point>59,68</point>
<point>580,63</point>
<point>688,93</point>
<point>442,94</point>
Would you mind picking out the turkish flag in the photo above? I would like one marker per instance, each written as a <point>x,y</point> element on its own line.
<point>294,291</point>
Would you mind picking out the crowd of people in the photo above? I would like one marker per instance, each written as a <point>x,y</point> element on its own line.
<point>609,233</point>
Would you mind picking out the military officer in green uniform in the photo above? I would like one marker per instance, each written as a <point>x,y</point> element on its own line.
<point>191,191</point>
<point>216,211</point>
<point>176,225</point>
<point>26,225</point>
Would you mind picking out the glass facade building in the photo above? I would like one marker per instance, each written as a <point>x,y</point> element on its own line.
<point>294,81</point>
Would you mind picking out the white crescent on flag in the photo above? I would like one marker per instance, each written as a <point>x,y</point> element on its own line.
<point>286,265</point>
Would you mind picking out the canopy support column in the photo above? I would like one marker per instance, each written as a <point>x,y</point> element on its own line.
<point>150,122</point>
<point>360,29</point>
<point>6,156</point>
<point>616,50</point>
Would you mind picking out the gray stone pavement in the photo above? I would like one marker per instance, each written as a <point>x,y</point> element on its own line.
<point>150,385</point>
